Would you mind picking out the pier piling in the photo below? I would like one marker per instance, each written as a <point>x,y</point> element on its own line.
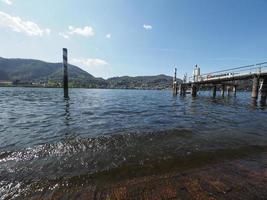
<point>222,90</point>
<point>255,87</point>
<point>228,89</point>
<point>214,90</point>
<point>182,90</point>
<point>65,75</point>
<point>263,91</point>
<point>234,90</point>
<point>194,90</point>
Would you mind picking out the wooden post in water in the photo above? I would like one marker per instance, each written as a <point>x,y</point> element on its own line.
<point>222,90</point>
<point>214,90</point>
<point>65,75</point>
<point>264,91</point>
<point>255,88</point>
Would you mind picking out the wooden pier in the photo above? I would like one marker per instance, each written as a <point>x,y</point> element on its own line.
<point>226,80</point>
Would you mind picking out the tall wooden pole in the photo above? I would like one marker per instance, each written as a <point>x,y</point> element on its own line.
<point>65,76</point>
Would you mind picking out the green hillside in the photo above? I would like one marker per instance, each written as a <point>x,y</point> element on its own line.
<point>36,71</point>
<point>156,82</point>
<point>29,72</point>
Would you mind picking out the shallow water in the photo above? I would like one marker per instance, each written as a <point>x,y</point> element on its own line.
<point>44,138</point>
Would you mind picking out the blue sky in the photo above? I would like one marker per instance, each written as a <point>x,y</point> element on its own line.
<point>136,37</point>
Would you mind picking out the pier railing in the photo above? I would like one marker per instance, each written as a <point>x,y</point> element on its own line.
<point>237,72</point>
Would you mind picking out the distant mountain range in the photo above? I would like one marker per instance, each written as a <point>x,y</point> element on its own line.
<point>29,72</point>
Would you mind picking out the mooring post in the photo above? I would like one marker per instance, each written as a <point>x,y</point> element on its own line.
<point>255,88</point>
<point>263,91</point>
<point>214,90</point>
<point>194,90</point>
<point>222,90</point>
<point>65,75</point>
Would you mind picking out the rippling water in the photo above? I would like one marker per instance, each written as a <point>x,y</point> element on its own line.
<point>44,138</point>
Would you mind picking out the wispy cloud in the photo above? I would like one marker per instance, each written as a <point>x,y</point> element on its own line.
<point>90,62</point>
<point>95,66</point>
<point>8,2</point>
<point>147,27</point>
<point>108,36</point>
<point>86,31</point>
<point>66,36</point>
<point>21,26</point>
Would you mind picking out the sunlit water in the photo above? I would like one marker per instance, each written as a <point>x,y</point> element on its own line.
<point>44,137</point>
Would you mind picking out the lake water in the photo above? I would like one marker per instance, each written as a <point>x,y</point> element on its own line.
<point>45,139</point>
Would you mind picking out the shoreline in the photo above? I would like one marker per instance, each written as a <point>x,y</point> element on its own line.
<point>164,89</point>
<point>244,178</point>
<point>211,175</point>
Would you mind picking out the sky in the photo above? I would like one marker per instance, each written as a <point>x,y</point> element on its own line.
<point>110,38</point>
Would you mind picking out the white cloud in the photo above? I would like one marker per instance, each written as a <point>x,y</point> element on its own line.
<point>64,35</point>
<point>47,31</point>
<point>147,27</point>
<point>86,31</point>
<point>21,26</point>
<point>95,66</point>
<point>108,36</point>
<point>8,2</point>
<point>90,62</point>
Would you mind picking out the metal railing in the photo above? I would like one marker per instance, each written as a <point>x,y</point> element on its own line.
<point>256,69</point>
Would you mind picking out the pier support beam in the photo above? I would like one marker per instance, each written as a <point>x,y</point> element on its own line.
<point>214,90</point>
<point>222,90</point>
<point>255,88</point>
<point>264,91</point>
<point>194,90</point>
<point>65,76</point>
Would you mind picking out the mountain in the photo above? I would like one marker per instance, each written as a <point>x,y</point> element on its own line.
<point>141,82</point>
<point>29,72</point>
<point>36,71</point>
